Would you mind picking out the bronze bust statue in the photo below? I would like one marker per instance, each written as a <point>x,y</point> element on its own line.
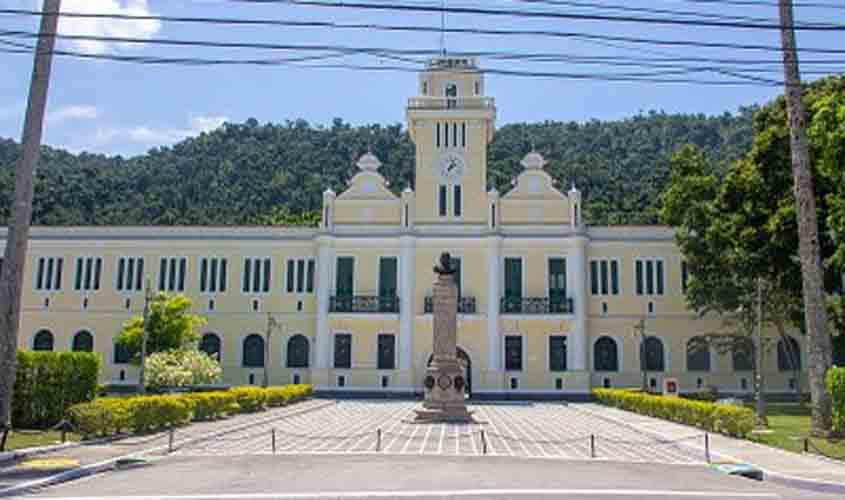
<point>445,266</point>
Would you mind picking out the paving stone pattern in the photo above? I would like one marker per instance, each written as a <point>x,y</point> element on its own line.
<point>543,430</point>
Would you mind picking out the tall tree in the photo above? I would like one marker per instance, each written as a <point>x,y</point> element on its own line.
<point>17,240</point>
<point>815,307</point>
<point>170,326</point>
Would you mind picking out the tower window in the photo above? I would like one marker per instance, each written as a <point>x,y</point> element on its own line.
<point>457,201</point>
<point>454,135</point>
<point>424,88</point>
<point>463,135</point>
<point>477,88</point>
<point>442,201</point>
<point>437,134</point>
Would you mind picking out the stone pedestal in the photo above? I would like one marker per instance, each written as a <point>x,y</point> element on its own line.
<point>444,381</point>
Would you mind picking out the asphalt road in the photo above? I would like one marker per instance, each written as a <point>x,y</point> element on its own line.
<point>289,477</point>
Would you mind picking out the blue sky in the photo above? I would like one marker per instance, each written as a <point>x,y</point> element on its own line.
<point>112,107</point>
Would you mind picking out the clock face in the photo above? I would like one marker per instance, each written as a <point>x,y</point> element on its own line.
<point>452,166</point>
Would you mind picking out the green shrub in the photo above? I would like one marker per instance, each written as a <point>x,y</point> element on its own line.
<point>149,413</point>
<point>48,383</point>
<point>112,415</point>
<point>725,419</point>
<point>250,399</point>
<point>213,405</point>
<point>836,387</point>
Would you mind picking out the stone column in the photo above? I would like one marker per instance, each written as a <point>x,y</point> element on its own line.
<point>325,257</point>
<point>577,344</point>
<point>407,307</point>
<point>494,276</point>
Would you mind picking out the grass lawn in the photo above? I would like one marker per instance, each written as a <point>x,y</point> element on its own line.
<point>791,424</point>
<point>29,439</point>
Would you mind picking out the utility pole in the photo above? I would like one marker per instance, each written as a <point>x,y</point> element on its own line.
<point>639,331</point>
<point>17,239</point>
<point>759,385</point>
<point>271,324</point>
<point>148,298</point>
<point>815,312</point>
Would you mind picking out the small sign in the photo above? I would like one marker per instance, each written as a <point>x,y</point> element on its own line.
<point>670,387</point>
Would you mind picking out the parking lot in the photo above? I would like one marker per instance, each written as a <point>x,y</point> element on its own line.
<point>524,429</point>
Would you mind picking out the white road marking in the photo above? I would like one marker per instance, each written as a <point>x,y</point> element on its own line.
<point>447,494</point>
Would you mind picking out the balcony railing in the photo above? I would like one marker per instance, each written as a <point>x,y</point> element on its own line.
<point>364,304</point>
<point>440,103</point>
<point>536,305</point>
<point>466,305</point>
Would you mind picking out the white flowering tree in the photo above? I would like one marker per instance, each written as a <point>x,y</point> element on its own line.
<point>180,368</point>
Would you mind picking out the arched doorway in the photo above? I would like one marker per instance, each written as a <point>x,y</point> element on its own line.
<point>466,363</point>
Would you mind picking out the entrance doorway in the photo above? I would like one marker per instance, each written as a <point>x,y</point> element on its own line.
<point>466,364</point>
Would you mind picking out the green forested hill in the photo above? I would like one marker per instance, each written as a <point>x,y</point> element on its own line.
<point>252,173</point>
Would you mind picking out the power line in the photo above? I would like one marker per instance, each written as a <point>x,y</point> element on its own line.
<point>481,11</point>
<point>650,10</point>
<point>382,51</point>
<point>428,29</point>
<point>760,3</point>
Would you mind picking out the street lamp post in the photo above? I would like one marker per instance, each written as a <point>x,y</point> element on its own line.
<point>142,388</point>
<point>639,332</point>
<point>271,324</point>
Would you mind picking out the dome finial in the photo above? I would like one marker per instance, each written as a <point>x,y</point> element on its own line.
<point>369,162</point>
<point>533,160</point>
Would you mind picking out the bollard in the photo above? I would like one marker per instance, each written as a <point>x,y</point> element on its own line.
<point>592,446</point>
<point>483,442</point>
<point>170,440</point>
<point>274,440</point>
<point>378,440</point>
<point>806,445</point>
<point>707,446</point>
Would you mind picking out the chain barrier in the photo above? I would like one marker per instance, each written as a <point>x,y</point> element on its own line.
<point>538,441</point>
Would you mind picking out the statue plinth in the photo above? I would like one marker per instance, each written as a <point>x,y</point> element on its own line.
<point>444,380</point>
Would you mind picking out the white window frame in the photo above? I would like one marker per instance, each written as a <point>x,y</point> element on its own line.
<point>502,283</point>
<point>170,258</point>
<point>645,279</point>
<point>295,261</point>
<point>548,349</point>
<point>208,259</point>
<point>94,258</point>
<point>250,290</point>
<point>125,258</point>
<point>333,289</point>
<point>505,352</point>
<point>50,288</point>
<point>610,276</point>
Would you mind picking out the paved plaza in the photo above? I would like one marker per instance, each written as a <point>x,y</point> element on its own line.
<point>540,430</point>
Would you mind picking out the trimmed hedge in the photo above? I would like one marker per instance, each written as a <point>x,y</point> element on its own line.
<point>140,414</point>
<point>48,383</point>
<point>725,419</point>
<point>836,387</point>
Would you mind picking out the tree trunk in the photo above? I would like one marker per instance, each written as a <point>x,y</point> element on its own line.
<point>815,313</point>
<point>11,281</point>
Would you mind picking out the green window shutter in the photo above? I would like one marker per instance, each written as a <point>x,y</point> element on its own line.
<point>594,277</point>
<point>121,263</point>
<point>343,350</point>
<point>557,354</point>
<point>309,283</point>
<point>614,277</point>
<point>386,352</point>
<point>513,277</point>
<point>457,201</point>
<point>387,277</point>
<point>442,201</point>
<point>639,271</point>
<point>345,276</point>
<point>223,275</point>
<point>247,274</point>
<point>267,276</point>
<point>659,266</point>
<point>212,275</point>
<point>290,277</point>
<point>513,353</point>
<point>162,275</point>
<point>300,276</point>
<point>604,279</point>
<point>649,277</point>
<point>204,275</point>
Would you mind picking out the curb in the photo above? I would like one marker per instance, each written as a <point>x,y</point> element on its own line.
<point>803,483</point>
<point>11,456</point>
<point>111,463</point>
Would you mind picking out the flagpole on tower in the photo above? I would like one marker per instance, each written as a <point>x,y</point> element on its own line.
<point>443,27</point>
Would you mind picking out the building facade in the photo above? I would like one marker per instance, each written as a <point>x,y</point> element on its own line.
<point>549,305</point>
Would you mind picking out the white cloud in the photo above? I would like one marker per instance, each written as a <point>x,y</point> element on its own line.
<point>143,29</point>
<point>69,113</point>
<point>158,136</point>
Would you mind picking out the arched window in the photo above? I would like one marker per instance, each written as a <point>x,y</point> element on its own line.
<point>698,355</point>
<point>122,355</point>
<point>83,341</point>
<point>43,341</point>
<point>210,344</point>
<point>743,355</point>
<point>298,352</point>
<point>605,355</point>
<point>653,359</point>
<point>253,351</point>
<point>789,355</point>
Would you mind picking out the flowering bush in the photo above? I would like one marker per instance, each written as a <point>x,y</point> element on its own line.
<point>181,368</point>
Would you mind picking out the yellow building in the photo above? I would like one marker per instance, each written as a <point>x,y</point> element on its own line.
<point>548,304</point>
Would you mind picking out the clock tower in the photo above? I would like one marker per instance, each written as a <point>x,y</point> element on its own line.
<point>451,123</point>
